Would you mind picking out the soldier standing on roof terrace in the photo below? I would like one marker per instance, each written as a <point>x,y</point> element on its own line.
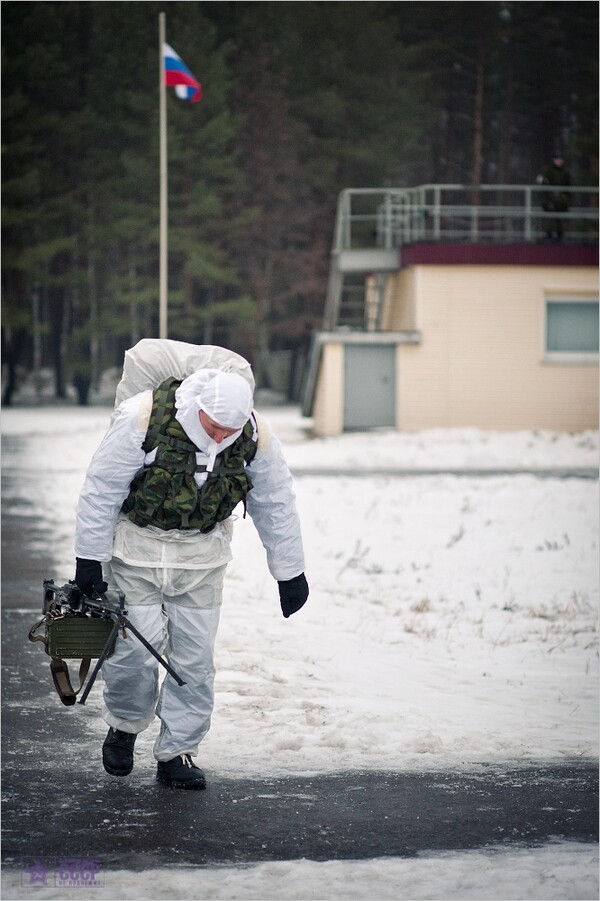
<point>555,201</point>
<point>154,518</point>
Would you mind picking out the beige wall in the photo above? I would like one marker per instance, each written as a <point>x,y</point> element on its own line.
<point>399,309</point>
<point>480,361</point>
<point>328,406</point>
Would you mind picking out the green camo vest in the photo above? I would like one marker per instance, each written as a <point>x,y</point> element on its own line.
<point>165,493</point>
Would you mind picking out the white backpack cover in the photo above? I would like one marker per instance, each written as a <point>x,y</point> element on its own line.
<point>152,360</point>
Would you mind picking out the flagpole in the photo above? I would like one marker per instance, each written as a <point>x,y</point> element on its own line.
<point>163,181</point>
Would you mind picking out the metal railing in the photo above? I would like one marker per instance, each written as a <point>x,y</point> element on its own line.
<point>386,218</point>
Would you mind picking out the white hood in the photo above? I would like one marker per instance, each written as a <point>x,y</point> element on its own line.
<point>225,397</point>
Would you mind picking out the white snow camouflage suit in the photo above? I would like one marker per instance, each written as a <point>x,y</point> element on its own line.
<point>173,579</point>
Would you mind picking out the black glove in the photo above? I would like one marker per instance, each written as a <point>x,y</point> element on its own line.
<point>88,576</point>
<point>293,594</point>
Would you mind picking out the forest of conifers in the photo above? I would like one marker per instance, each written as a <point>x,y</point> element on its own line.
<point>300,100</point>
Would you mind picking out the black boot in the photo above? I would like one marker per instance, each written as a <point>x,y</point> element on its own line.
<point>181,772</point>
<point>117,752</point>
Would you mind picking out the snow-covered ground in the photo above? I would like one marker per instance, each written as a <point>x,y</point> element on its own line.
<point>452,620</point>
<point>558,871</point>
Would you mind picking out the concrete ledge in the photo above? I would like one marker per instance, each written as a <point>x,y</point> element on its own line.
<point>368,260</point>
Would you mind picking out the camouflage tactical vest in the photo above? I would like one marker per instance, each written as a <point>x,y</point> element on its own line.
<point>165,493</point>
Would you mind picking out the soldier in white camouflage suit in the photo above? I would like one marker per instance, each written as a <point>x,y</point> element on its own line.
<point>154,520</point>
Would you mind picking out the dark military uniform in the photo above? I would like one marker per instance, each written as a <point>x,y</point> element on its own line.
<point>554,201</point>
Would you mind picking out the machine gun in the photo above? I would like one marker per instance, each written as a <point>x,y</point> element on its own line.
<point>78,626</point>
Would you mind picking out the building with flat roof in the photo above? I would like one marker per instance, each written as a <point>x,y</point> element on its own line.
<point>449,307</point>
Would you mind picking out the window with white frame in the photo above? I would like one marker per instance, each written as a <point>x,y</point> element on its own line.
<point>571,329</point>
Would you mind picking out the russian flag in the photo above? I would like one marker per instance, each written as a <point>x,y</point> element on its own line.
<point>178,75</point>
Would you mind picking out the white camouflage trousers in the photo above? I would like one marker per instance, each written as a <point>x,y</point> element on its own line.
<point>181,628</point>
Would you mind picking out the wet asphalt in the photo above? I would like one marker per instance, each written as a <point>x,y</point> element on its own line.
<point>57,799</point>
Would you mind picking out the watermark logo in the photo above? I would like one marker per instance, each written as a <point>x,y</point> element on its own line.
<point>62,872</point>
